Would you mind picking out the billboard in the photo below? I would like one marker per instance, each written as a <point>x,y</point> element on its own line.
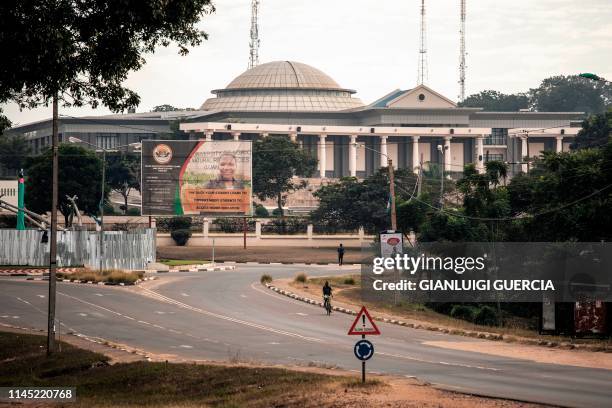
<point>196,177</point>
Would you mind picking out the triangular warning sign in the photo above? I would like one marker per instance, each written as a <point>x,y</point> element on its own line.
<point>363,324</point>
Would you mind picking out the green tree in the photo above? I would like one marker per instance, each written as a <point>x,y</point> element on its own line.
<point>13,152</point>
<point>596,131</point>
<point>169,108</point>
<point>350,203</point>
<point>81,52</point>
<point>123,175</point>
<point>571,94</point>
<point>79,171</point>
<point>566,196</point>
<point>276,163</point>
<point>5,123</point>
<point>491,100</point>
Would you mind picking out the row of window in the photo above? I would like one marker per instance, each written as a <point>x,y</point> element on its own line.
<point>282,92</point>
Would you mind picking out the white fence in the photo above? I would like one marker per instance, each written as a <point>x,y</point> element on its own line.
<point>122,249</point>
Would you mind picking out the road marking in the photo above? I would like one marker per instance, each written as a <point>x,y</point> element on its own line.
<point>437,362</point>
<point>163,298</point>
<point>184,294</point>
<point>41,296</point>
<point>99,294</point>
<point>186,346</point>
<point>274,343</point>
<point>277,296</point>
<point>301,314</point>
<point>83,314</point>
<point>243,296</point>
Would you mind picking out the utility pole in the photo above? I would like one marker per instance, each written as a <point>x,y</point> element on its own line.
<point>392,193</point>
<point>53,238</point>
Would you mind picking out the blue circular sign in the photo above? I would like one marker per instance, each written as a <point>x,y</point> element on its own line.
<point>364,350</point>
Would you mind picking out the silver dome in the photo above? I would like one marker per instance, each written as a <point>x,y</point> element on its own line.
<point>282,86</point>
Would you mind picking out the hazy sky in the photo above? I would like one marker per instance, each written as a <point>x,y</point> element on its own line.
<point>372,46</point>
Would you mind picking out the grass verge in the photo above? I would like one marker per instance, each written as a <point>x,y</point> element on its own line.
<point>113,276</point>
<point>23,363</point>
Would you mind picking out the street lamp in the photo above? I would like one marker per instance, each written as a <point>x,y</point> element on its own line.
<point>442,150</point>
<point>136,146</point>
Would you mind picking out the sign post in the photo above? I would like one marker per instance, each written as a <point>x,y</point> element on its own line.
<point>364,349</point>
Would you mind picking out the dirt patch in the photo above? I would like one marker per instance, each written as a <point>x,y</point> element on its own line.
<point>533,353</point>
<point>261,254</point>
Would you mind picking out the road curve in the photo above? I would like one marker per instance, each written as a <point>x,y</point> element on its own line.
<point>230,316</point>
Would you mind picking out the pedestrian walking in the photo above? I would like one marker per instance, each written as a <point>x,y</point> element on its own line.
<point>340,254</point>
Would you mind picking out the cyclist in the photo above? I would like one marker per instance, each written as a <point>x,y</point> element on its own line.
<point>327,294</point>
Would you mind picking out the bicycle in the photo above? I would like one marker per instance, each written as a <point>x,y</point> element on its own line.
<point>327,304</point>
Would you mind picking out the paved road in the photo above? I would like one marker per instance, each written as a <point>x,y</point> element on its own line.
<point>229,316</point>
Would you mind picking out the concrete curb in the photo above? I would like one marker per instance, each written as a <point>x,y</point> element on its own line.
<point>199,269</point>
<point>77,281</point>
<point>458,332</point>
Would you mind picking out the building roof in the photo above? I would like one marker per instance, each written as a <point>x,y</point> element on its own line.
<point>284,75</point>
<point>282,86</point>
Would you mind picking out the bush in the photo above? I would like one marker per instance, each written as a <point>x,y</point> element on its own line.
<point>265,278</point>
<point>464,312</point>
<point>133,211</point>
<point>349,281</point>
<point>276,212</point>
<point>300,277</point>
<point>8,221</point>
<point>179,223</point>
<point>261,211</point>
<point>486,316</point>
<point>181,236</point>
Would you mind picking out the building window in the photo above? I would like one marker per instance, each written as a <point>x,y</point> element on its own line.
<point>498,136</point>
<point>493,157</point>
<point>107,141</point>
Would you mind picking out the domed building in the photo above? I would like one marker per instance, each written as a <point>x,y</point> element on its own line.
<point>282,86</point>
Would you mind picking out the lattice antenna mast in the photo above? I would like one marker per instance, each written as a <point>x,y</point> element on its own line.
<point>254,43</point>
<point>422,74</point>
<point>462,53</point>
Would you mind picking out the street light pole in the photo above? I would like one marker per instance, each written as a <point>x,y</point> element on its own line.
<point>102,207</point>
<point>442,150</point>
<point>53,238</point>
<point>392,193</point>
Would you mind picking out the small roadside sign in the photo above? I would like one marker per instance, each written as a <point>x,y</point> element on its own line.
<point>364,350</point>
<point>363,324</point>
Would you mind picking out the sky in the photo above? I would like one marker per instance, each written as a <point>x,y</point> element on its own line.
<point>372,47</point>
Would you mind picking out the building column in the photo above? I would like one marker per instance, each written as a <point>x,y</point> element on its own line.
<point>415,154</point>
<point>322,155</point>
<point>353,156</point>
<point>559,144</point>
<point>524,153</point>
<point>293,137</point>
<point>480,153</point>
<point>209,135</point>
<point>236,136</point>
<point>384,157</point>
<point>447,154</point>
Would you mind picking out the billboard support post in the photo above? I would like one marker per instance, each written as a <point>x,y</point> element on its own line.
<point>244,231</point>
